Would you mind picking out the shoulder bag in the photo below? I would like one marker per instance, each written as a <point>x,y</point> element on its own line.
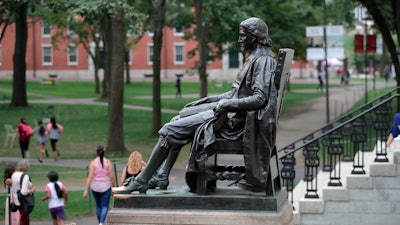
<point>27,201</point>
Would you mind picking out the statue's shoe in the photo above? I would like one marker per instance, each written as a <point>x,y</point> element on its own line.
<point>159,180</point>
<point>120,190</point>
<point>137,185</point>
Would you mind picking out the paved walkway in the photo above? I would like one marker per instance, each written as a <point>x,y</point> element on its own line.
<point>311,116</point>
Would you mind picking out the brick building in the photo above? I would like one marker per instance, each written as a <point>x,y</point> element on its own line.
<point>71,62</point>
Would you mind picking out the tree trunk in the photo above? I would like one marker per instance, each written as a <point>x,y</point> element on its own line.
<point>115,140</point>
<point>203,28</point>
<point>106,28</point>
<point>381,23</point>
<point>19,97</point>
<point>96,67</point>
<point>159,20</point>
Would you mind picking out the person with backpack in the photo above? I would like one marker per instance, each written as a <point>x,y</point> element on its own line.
<point>58,198</point>
<point>24,131</point>
<point>21,182</point>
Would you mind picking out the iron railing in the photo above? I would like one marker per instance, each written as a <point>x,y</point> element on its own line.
<point>354,132</point>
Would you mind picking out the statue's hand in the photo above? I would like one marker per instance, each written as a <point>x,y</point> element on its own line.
<point>221,107</point>
<point>197,102</point>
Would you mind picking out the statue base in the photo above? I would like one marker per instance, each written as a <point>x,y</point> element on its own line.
<point>176,205</point>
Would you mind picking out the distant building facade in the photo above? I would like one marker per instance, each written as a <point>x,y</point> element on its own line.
<point>72,62</point>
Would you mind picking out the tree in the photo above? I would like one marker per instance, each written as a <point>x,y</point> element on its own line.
<point>114,31</point>
<point>386,16</point>
<point>18,9</point>
<point>158,17</point>
<point>214,26</point>
<point>112,16</point>
<point>84,31</point>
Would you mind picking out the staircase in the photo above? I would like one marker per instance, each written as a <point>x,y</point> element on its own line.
<point>372,198</point>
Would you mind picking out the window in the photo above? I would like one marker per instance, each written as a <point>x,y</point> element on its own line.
<point>47,56</point>
<point>46,30</point>
<point>71,33</point>
<point>178,54</point>
<point>150,54</point>
<point>233,58</point>
<point>178,31</point>
<point>72,55</point>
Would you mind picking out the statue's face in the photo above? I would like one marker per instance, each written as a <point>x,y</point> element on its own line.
<point>247,40</point>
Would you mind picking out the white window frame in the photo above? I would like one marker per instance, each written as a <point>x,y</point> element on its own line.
<point>44,34</point>
<point>176,45</point>
<point>150,54</point>
<point>178,34</point>
<point>43,55</point>
<point>69,55</point>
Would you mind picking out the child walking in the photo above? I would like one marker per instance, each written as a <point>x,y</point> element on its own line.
<point>58,198</point>
<point>41,139</point>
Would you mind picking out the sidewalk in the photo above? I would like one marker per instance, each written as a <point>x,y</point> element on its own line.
<point>309,117</point>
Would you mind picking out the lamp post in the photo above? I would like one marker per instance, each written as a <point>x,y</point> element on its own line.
<point>365,59</point>
<point>365,20</point>
<point>326,67</point>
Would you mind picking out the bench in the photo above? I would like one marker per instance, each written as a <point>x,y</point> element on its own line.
<point>148,75</point>
<point>48,81</point>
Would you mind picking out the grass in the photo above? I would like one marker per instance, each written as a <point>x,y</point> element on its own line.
<point>85,126</point>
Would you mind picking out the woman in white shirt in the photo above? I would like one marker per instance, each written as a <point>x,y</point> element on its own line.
<point>57,196</point>
<point>26,188</point>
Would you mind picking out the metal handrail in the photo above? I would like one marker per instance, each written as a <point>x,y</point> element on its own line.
<point>356,111</point>
<point>325,133</point>
<point>355,131</point>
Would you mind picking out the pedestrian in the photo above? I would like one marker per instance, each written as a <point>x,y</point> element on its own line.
<point>7,181</point>
<point>178,88</point>
<point>394,130</point>
<point>24,131</point>
<point>101,179</point>
<point>58,198</point>
<point>320,82</point>
<point>134,166</point>
<point>386,73</point>
<point>25,186</point>
<point>54,130</point>
<point>41,139</point>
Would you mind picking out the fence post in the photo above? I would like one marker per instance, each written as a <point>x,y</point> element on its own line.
<point>90,196</point>
<point>9,202</point>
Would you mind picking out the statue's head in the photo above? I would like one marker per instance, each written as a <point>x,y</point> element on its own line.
<point>258,29</point>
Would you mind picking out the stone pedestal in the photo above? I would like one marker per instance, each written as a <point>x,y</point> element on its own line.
<point>177,206</point>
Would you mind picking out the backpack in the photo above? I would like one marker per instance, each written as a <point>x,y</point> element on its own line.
<point>24,132</point>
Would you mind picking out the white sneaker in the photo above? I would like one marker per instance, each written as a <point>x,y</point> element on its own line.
<point>120,189</point>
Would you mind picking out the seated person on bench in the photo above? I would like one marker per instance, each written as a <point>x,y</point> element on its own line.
<point>252,98</point>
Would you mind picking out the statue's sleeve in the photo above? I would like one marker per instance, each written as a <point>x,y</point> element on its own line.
<point>259,81</point>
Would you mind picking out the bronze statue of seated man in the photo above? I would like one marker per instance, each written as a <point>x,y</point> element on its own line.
<point>251,101</point>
